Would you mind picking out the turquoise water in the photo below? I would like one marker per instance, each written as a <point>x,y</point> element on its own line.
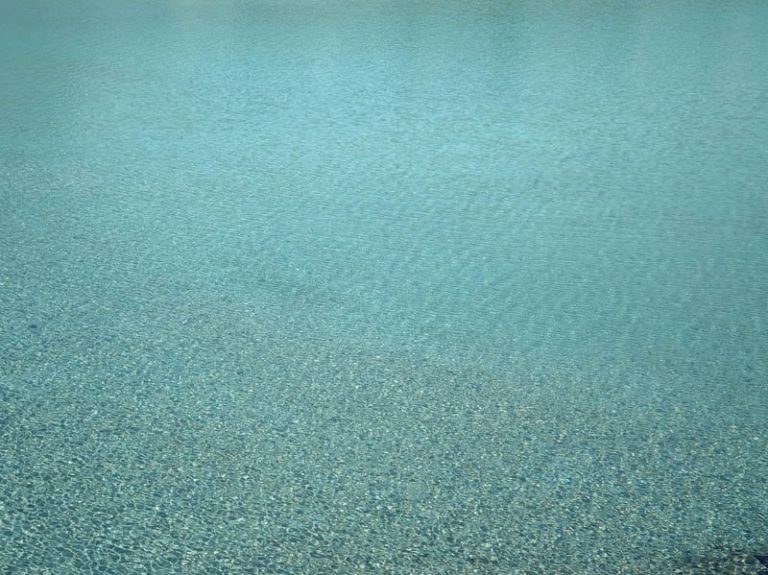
<point>352,287</point>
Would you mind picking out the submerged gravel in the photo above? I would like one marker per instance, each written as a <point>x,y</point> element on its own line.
<point>190,452</point>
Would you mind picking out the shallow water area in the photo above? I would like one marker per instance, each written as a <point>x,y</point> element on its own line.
<point>383,287</point>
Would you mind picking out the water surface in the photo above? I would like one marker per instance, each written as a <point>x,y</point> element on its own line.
<point>366,286</point>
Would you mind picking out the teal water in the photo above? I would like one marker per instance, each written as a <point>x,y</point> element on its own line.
<point>383,286</point>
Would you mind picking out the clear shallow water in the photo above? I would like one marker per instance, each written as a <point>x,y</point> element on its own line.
<point>323,233</point>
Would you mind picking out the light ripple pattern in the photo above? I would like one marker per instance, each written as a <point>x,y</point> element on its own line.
<point>314,287</point>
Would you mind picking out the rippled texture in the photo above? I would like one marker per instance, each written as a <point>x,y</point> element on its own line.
<point>213,203</point>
